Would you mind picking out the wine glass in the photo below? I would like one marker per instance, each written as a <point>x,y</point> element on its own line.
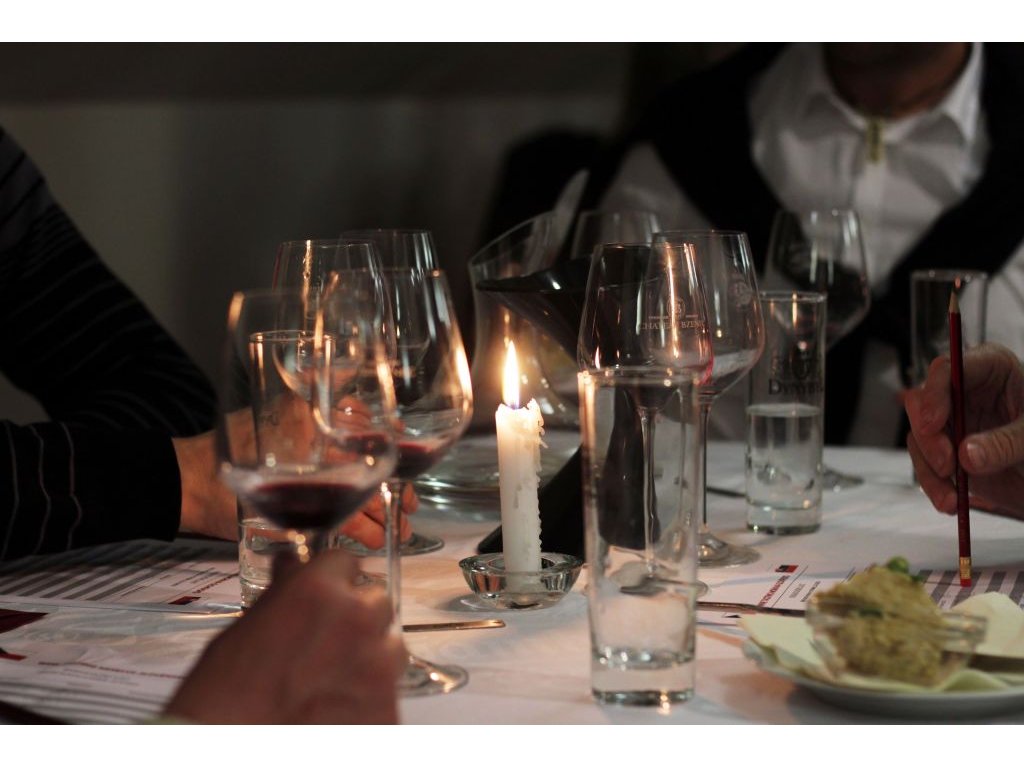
<point>286,446</point>
<point>399,248</point>
<point>736,329</point>
<point>434,405</point>
<point>594,228</point>
<point>823,251</point>
<point>644,314</point>
<point>308,264</point>
<point>396,247</point>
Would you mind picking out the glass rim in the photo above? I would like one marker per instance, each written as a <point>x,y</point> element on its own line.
<point>321,242</point>
<point>365,232</point>
<point>511,238</point>
<point>797,297</point>
<point>679,233</point>
<point>589,212</point>
<point>281,334</point>
<point>834,211</point>
<point>948,274</point>
<point>647,374</point>
<point>284,292</point>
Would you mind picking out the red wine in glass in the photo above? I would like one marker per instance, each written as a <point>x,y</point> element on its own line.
<point>307,504</point>
<point>415,458</point>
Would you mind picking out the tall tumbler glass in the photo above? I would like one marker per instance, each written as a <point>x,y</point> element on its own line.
<point>642,590</point>
<point>785,416</point>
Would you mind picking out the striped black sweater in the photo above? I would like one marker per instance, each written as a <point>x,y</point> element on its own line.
<point>115,385</point>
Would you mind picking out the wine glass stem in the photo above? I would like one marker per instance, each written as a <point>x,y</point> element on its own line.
<point>705,420</point>
<point>647,439</point>
<point>308,543</point>
<point>392,495</point>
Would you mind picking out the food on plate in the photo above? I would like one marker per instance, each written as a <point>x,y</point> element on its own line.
<point>882,623</point>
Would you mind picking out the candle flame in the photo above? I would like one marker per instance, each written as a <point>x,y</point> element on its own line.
<point>510,381</point>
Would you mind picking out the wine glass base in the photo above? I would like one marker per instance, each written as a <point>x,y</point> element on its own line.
<point>422,678</point>
<point>838,481</point>
<point>716,553</point>
<point>420,544</point>
<point>417,544</point>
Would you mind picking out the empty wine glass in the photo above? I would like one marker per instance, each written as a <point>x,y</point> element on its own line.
<point>434,405</point>
<point>736,329</point>
<point>401,248</point>
<point>594,228</point>
<point>823,251</point>
<point>644,315</point>
<point>286,444</point>
<point>306,264</point>
<point>397,247</point>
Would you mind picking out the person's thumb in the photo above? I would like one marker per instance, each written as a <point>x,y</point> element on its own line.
<point>986,453</point>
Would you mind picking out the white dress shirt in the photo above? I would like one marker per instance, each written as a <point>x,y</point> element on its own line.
<point>813,151</point>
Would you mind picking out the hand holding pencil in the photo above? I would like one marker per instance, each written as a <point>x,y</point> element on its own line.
<point>992,452</point>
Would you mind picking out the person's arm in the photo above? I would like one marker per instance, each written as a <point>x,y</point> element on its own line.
<point>993,451</point>
<point>115,384</point>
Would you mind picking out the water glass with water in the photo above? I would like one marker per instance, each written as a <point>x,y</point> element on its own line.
<point>642,523</point>
<point>785,416</point>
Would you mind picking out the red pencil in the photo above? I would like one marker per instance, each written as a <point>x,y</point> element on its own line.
<point>956,361</point>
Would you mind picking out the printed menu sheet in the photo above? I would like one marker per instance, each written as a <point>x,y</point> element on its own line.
<point>790,586</point>
<point>96,664</point>
<point>105,634</point>
<point>189,576</point>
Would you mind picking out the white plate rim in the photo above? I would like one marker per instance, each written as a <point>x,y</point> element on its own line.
<point>905,705</point>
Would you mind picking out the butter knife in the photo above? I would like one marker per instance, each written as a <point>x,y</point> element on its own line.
<point>712,605</point>
<point>448,625</point>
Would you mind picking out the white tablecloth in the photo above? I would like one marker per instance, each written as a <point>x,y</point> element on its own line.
<point>536,670</point>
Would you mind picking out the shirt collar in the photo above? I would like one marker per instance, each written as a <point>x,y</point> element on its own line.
<point>962,105</point>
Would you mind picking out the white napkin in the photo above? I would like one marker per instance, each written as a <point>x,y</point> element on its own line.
<point>1004,636</point>
<point>789,640</point>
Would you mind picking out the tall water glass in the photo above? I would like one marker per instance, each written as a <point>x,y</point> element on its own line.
<point>641,539</point>
<point>785,416</point>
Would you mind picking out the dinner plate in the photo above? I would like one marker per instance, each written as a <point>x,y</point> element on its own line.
<point>940,705</point>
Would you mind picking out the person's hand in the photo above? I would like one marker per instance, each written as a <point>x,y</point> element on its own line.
<point>367,526</point>
<point>208,507</point>
<point>313,649</point>
<point>993,452</point>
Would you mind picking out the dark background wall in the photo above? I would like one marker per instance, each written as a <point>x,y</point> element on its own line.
<point>185,164</point>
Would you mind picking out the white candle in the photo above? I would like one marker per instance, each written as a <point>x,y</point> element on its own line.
<point>519,431</point>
